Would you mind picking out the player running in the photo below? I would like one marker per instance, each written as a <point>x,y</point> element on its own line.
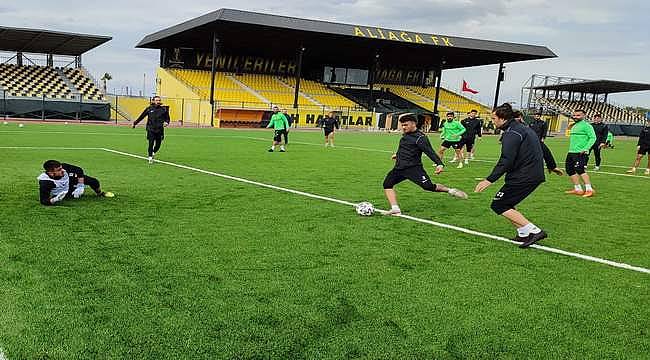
<point>408,164</point>
<point>581,138</point>
<point>601,131</point>
<point>280,124</point>
<point>61,181</point>
<point>452,131</point>
<point>473,127</point>
<point>329,123</point>
<point>642,148</point>
<point>157,119</point>
<point>522,162</point>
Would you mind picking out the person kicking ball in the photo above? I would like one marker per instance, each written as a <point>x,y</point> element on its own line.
<point>408,164</point>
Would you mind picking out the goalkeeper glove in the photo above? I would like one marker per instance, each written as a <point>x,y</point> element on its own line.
<point>58,197</point>
<point>78,191</point>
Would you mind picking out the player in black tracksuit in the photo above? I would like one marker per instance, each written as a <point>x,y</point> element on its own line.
<point>61,181</point>
<point>522,162</point>
<point>642,148</point>
<point>473,126</point>
<point>408,164</point>
<point>540,127</point>
<point>601,131</point>
<point>328,124</point>
<point>157,119</point>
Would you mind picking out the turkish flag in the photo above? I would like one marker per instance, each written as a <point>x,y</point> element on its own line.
<point>468,89</point>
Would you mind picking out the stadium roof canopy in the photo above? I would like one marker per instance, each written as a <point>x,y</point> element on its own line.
<point>273,36</point>
<point>48,42</point>
<point>596,87</point>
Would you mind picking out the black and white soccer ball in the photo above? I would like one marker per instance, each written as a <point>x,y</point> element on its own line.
<point>365,209</point>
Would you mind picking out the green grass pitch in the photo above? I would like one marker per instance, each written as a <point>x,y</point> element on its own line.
<point>184,265</point>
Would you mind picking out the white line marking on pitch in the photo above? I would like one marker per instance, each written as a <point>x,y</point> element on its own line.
<point>343,202</point>
<point>48,148</point>
<point>265,139</point>
<point>425,221</point>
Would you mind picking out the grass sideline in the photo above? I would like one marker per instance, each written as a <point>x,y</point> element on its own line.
<point>184,265</point>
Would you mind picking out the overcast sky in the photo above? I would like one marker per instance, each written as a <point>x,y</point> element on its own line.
<point>594,39</point>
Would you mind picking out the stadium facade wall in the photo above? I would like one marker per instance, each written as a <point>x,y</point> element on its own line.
<point>184,104</point>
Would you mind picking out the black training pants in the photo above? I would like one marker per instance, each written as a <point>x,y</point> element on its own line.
<point>548,157</point>
<point>155,140</point>
<point>596,150</point>
<point>88,181</point>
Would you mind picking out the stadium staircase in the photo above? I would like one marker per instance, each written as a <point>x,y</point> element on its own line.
<point>74,91</point>
<point>384,101</point>
<point>300,93</point>
<point>83,83</point>
<point>249,90</point>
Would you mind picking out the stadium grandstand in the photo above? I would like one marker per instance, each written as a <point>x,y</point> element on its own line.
<point>234,65</point>
<point>42,76</point>
<point>559,96</point>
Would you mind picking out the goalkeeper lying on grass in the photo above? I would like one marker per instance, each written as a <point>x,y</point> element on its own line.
<point>60,181</point>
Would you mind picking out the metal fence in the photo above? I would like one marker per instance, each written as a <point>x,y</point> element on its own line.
<point>46,108</point>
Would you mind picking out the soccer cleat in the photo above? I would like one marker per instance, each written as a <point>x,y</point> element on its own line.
<point>646,172</point>
<point>466,161</point>
<point>460,165</point>
<point>520,238</point>
<point>589,193</point>
<point>575,192</point>
<point>393,212</point>
<point>557,171</point>
<point>596,168</point>
<point>533,238</point>
<point>457,193</point>
<point>270,150</point>
<point>631,171</point>
<point>282,150</point>
<point>150,159</point>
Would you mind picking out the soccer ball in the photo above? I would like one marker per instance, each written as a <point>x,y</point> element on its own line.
<point>6,123</point>
<point>20,125</point>
<point>365,209</point>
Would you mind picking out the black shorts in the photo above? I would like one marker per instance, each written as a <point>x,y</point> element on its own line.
<point>643,150</point>
<point>277,137</point>
<point>510,195</point>
<point>416,174</point>
<point>155,135</point>
<point>468,143</point>
<point>327,131</point>
<point>449,144</point>
<point>575,163</point>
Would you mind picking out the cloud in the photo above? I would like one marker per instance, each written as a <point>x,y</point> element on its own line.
<point>594,38</point>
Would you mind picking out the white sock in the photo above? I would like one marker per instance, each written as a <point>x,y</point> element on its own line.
<point>282,147</point>
<point>588,187</point>
<point>272,147</point>
<point>532,228</point>
<point>523,231</point>
<point>577,187</point>
<point>395,208</point>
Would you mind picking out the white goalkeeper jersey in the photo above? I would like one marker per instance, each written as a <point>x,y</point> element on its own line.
<point>61,185</point>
